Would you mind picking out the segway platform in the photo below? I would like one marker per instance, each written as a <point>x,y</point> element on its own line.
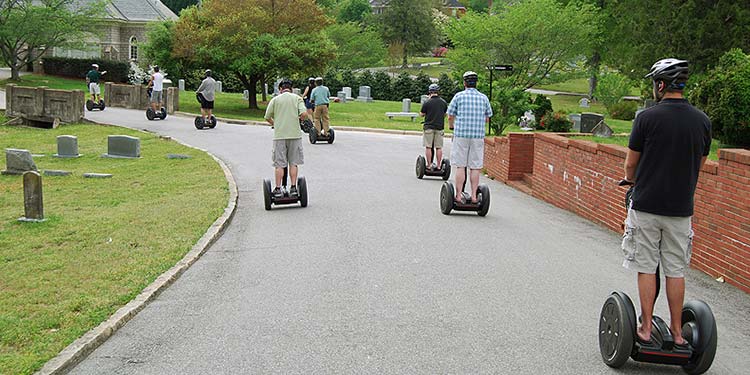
<point>286,198</point>
<point>91,105</point>
<point>151,115</point>
<point>618,338</point>
<point>422,170</point>
<point>200,123</point>
<point>448,203</point>
<point>314,137</point>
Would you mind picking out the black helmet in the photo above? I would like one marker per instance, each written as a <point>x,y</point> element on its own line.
<point>669,70</point>
<point>285,83</point>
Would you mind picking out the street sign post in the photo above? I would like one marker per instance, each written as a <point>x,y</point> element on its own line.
<point>502,68</point>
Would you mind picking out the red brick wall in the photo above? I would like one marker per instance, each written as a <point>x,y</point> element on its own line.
<point>581,176</point>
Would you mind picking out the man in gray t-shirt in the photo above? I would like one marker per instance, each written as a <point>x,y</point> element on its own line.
<point>205,95</point>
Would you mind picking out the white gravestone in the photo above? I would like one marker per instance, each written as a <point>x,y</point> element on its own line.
<point>181,84</point>
<point>406,105</point>
<point>123,146</point>
<point>364,94</point>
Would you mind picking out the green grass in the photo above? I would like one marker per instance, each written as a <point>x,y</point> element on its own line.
<point>623,141</point>
<point>53,82</point>
<point>103,241</point>
<point>577,85</point>
<point>569,104</point>
<point>433,70</point>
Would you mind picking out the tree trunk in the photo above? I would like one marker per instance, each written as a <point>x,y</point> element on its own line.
<point>406,53</point>
<point>594,78</point>
<point>264,95</point>
<point>251,85</point>
<point>14,67</point>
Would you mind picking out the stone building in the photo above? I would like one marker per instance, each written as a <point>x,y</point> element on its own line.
<point>121,31</point>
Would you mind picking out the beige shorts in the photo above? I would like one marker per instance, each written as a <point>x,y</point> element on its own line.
<point>287,152</point>
<point>156,96</point>
<point>432,138</point>
<point>94,88</point>
<point>650,240</point>
<point>467,152</point>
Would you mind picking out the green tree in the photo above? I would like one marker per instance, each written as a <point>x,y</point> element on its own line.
<point>481,6</point>
<point>353,11</point>
<point>28,29</point>
<point>178,5</point>
<point>356,48</point>
<point>535,36</point>
<point>255,40</point>
<point>420,86</point>
<point>409,23</point>
<point>403,87</point>
<point>448,87</point>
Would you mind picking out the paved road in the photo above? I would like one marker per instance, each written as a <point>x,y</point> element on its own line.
<point>372,278</point>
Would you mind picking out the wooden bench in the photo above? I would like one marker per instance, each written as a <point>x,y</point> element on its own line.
<point>391,115</point>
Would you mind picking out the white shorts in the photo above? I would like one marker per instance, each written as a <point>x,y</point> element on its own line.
<point>94,88</point>
<point>652,240</point>
<point>468,152</point>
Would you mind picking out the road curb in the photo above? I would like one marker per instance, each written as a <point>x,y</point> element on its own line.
<point>341,128</point>
<point>84,345</point>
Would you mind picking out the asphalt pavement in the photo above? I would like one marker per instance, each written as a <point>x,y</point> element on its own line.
<point>371,278</point>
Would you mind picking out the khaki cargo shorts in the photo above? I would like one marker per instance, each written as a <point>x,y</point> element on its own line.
<point>467,152</point>
<point>287,152</point>
<point>432,138</point>
<point>94,88</point>
<point>650,240</point>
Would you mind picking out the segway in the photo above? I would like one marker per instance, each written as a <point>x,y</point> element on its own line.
<point>618,335</point>
<point>91,105</point>
<point>200,123</point>
<point>287,197</point>
<point>448,203</point>
<point>151,114</point>
<point>307,126</point>
<point>422,170</point>
<point>314,137</point>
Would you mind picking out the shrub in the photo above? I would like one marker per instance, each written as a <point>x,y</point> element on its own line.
<point>439,52</point>
<point>611,88</point>
<point>448,87</point>
<point>624,110</point>
<point>724,94</point>
<point>542,106</point>
<point>556,122</point>
<point>381,87</point>
<point>117,71</point>
<point>403,87</point>
<point>421,86</point>
<point>508,106</point>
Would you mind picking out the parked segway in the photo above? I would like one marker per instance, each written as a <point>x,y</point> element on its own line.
<point>422,170</point>
<point>91,105</point>
<point>200,123</point>
<point>448,203</point>
<point>314,137</point>
<point>287,198</point>
<point>618,337</point>
<point>151,114</point>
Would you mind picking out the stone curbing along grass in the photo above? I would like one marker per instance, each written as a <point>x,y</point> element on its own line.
<point>104,241</point>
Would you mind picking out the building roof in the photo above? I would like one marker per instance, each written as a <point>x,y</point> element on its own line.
<point>138,10</point>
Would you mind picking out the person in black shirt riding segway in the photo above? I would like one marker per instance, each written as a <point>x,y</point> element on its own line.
<point>433,111</point>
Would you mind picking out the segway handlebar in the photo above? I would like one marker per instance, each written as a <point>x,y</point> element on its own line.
<point>625,182</point>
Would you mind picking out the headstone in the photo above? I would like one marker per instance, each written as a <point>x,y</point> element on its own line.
<point>602,130</point>
<point>589,121</point>
<point>364,94</point>
<point>265,87</point>
<point>123,146</point>
<point>18,161</point>
<point>52,172</point>
<point>424,98</point>
<point>67,146</point>
<point>181,84</point>
<point>406,105</point>
<point>33,204</point>
<point>348,91</point>
<point>276,87</point>
<point>648,103</point>
<point>584,103</point>
<point>218,86</point>
<point>246,95</point>
<point>97,175</point>
<point>177,156</point>
<point>576,118</point>
<point>296,91</point>
<point>342,96</point>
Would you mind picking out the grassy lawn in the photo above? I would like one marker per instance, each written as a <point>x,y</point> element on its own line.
<point>433,70</point>
<point>53,82</point>
<point>623,141</point>
<point>577,85</point>
<point>569,104</point>
<point>103,241</point>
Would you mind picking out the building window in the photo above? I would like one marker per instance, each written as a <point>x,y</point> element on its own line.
<point>133,48</point>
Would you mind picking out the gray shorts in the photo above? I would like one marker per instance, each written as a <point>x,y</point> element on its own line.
<point>287,152</point>
<point>94,88</point>
<point>650,240</point>
<point>156,96</point>
<point>433,137</point>
<point>467,152</point>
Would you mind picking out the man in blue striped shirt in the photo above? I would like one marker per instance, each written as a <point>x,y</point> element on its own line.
<point>468,114</point>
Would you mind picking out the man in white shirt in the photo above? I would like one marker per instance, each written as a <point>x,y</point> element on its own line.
<point>157,86</point>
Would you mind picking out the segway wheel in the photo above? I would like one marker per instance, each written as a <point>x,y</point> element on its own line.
<point>302,191</point>
<point>199,123</point>
<point>421,166</point>
<point>313,136</point>
<point>446,169</point>
<point>267,193</point>
<point>101,105</point>
<point>484,208</point>
<point>699,329</point>
<point>212,122</point>
<point>90,105</point>
<point>616,330</point>
<point>331,136</point>
<point>446,198</point>
<point>163,113</point>
<point>150,114</point>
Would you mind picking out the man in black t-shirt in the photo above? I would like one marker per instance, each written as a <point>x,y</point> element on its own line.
<point>433,111</point>
<point>668,146</point>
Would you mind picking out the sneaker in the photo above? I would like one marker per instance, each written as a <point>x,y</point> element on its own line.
<point>277,193</point>
<point>293,191</point>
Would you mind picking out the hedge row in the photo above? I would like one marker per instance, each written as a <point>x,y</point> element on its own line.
<point>117,71</point>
